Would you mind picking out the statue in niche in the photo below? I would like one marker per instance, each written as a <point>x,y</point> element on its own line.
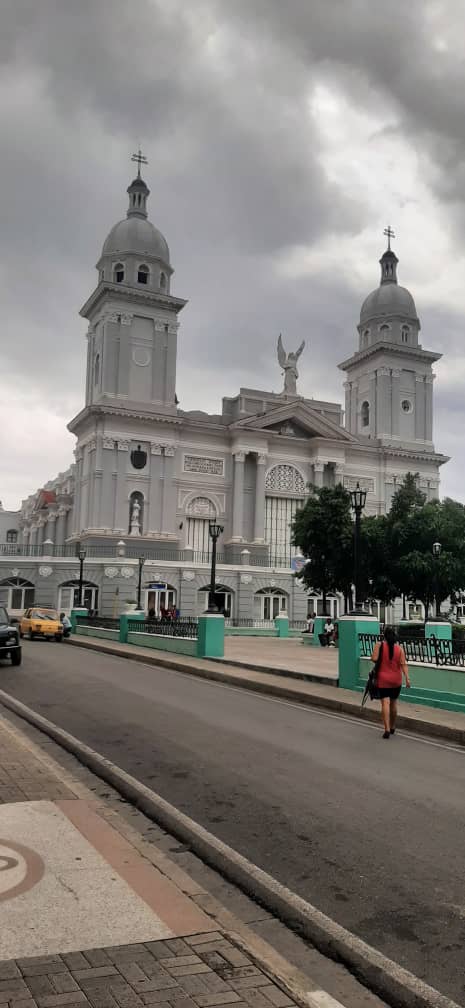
<point>288,362</point>
<point>135,519</point>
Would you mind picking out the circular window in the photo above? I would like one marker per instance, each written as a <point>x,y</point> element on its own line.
<point>406,406</point>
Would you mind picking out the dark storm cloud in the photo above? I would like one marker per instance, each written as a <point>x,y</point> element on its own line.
<point>218,95</point>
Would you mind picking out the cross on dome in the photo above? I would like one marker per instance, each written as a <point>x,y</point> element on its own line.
<point>140,159</point>
<point>387,231</point>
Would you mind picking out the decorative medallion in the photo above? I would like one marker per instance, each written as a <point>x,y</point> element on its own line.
<point>111,572</point>
<point>127,572</point>
<point>139,458</point>
<point>246,578</point>
<point>45,571</point>
<point>188,575</point>
<point>141,356</point>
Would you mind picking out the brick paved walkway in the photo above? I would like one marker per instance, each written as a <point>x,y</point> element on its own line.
<point>197,972</point>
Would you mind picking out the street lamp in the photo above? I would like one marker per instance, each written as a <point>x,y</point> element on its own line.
<point>358,500</point>
<point>437,547</point>
<point>139,583</point>
<point>82,556</point>
<point>214,532</point>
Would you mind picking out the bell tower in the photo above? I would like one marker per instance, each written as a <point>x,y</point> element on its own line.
<point>389,386</point>
<point>133,318</point>
<point>126,432</point>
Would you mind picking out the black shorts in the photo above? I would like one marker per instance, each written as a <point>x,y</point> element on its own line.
<point>389,691</point>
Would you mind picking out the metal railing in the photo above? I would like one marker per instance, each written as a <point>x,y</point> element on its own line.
<point>427,650</point>
<point>133,551</point>
<point>102,622</point>
<point>298,624</point>
<point>260,624</point>
<point>181,627</point>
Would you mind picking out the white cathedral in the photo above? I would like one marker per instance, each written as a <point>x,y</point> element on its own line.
<point>148,476</point>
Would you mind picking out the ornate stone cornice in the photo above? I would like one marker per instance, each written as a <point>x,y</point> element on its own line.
<point>130,296</point>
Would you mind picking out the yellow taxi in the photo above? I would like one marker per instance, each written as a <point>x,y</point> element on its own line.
<point>41,622</point>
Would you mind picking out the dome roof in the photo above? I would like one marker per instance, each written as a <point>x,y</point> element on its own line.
<point>388,299</point>
<point>136,234</point>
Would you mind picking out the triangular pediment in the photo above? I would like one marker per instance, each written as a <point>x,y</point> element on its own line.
<point>295,419</point>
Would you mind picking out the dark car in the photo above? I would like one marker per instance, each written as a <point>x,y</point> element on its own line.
<point>10,646</point>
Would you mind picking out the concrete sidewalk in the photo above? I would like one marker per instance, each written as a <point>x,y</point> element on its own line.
<point>94,914</point>
<point>448,725</point>
<point>87,919</point>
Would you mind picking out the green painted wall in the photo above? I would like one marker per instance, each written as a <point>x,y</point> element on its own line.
<point>349,646</point>
<point>177,645</point>
<point>87,631</point>
<point>442,630</point>
<point>431,686</point>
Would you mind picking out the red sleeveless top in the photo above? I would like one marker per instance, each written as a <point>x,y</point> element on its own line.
<point>390,669</point>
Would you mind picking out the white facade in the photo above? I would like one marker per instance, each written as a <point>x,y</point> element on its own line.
<point>150,475</point>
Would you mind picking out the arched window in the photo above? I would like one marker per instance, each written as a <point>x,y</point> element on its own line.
<point>69,592</point>
<point>12,536</point>
<point>365,337</point>
<point>200,512</point>
<point>16,594</point>
<point>384,328</point>
<point>143,274</point>
<point>285,492</point>
<point>136,513</point>
<point>405,333</point>
<point>97,369</point>
<point>162,280</point>
<point>365,414</point>
<point>269,603</point>
<point>118,273</point>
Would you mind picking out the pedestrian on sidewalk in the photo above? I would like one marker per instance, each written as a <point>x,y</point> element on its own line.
<point>66,624</point>
<point>390,665</point>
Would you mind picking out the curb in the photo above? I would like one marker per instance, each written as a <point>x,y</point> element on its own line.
<point>380,974</point>
<point>286,692</point>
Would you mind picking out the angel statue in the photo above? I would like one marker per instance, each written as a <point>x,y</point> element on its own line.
<point>288,363</point>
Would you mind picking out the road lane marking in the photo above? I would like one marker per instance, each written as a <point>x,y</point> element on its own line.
<point>306,708</point>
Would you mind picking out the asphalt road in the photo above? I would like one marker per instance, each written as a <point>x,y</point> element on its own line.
<point>372,832</point>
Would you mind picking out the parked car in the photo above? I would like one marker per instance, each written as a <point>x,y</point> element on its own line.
<point>10,646</point>
<point>41,622</point>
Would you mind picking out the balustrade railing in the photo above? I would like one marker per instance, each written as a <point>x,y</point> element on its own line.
<point>427,650</point>
<point>260,624</point>
<point>181,627</point>
<point>100,622</point>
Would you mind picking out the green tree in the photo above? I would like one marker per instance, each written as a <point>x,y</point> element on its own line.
<point>323,531</point>
<point>421,574</point>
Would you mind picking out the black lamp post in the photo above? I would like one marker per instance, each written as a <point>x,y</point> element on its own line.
<point>82,556</point>
<point>358,500</point>
<point>214,532</point>
<point>139,583</point>
<point>437,547</point>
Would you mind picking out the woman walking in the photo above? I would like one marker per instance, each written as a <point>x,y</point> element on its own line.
<point>390,665</point>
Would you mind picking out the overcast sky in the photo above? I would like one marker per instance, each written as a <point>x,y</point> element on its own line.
<point>282,138</point>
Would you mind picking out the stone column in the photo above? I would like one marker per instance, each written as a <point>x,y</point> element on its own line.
<point>32,535</point>
<point>123,357</point>
<point>238,495</point>
<point>318,470</point>
<point>339,475</point>
<point>395,377</point>
<point>60,526</point>
<point>419,406</point>
<point>122,504</point>
<point>107,503</point>
<point>40,532</point>
<point>429,407</point>
<point>152,520</point>
<point>168,503</point>
<point>372,399</point>
<point>353,407</point>
<point>347,387</point>
<point>383,420</point>
<point>50,526</point>
<point>259,508</point>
